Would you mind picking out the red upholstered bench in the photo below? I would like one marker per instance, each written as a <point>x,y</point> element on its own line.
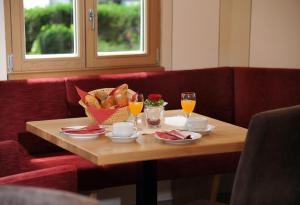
<point>41,99</point>
<point>17,168</point>
<point>261,89</point>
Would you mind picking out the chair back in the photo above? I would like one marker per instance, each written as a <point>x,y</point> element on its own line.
<point>269,168</point>
<point>18,195</point>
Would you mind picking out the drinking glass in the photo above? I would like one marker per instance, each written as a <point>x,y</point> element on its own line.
<point>136,103</point>
<point>188,102</point>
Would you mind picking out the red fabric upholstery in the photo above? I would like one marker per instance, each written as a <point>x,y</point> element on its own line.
<point>13,158</point>
<point>61,177</point>
<point>91,176</point>
<point>214,88</point>
<point>27,100</point>
<point>261,89</point>
<point>17,168</point>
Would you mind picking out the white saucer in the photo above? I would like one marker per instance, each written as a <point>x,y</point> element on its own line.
<point>209,128</point>
<point>82,136</point>
<point>116,139</point>
<point>194,136</point>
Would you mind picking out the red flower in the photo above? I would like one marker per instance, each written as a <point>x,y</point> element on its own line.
<point>154,97</point>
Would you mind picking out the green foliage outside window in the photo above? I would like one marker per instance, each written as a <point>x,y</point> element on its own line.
<point>54,39</point>
<point>38,17</point>
<point>119,27</point>
<point>118,24</point>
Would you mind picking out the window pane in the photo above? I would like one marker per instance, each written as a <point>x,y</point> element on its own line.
<point>120,26</point>
<point>49,27</point>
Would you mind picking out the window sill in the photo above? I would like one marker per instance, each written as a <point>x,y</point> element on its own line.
<point>51,74</point>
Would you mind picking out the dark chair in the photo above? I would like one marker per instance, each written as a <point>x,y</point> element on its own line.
<point>18,195</point>
<point>269,168</point>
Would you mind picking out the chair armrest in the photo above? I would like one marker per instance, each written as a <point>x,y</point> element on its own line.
<point>71,159</point>
<point>60,177</point>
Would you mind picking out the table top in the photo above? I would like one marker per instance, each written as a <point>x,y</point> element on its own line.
<point>101,151</point>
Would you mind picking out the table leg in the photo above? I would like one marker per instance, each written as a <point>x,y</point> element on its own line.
<point>146,185</point>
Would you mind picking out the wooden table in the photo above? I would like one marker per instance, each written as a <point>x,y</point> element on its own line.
<point>101,151</point>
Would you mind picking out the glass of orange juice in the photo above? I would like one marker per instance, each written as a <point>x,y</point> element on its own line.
<point>136,103</point>
<point>188,102</point>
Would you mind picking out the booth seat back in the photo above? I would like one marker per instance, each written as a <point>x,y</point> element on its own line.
<point>214,88</point>
<point>261,89</point>
<point>28,100</point>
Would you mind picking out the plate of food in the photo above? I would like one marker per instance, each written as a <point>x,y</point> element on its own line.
<point>83,132</point>
<point>177,137</point>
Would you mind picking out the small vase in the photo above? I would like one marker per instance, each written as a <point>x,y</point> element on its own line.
<point>154,116</point>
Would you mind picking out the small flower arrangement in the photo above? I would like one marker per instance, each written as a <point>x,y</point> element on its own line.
<point>154,100</point>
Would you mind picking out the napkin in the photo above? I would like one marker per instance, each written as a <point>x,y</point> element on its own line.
<point>81,93</point>
<point>100,115</point>
<point>172,135</point>
<point>90,129</point>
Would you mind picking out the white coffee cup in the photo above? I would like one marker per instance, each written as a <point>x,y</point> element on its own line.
<point>122,129</point>
<point>197,123</point>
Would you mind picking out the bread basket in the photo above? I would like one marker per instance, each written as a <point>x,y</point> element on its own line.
<point>122,113</point>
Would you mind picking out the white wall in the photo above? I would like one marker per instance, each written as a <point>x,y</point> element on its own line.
<point>275,33</point>
<point>195,34</point>
<point>234,44</point>
<point>166,33</point>
<point>3,74</point>
<point>194,38</point>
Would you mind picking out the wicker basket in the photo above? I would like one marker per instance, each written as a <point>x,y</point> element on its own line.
<point>121,115</point>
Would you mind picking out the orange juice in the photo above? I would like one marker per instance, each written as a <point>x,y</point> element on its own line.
<point>135,107</point>
<point>188,105</point>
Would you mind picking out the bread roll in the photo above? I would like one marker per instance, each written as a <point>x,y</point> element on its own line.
<point>121,98</point>
<point>119,89</point>
<point>90,100</point>
<point>101,95</point>
<point>108,102</point>
<point>121,95</point>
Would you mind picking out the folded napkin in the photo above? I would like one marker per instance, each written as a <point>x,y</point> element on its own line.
<point>173,135</point>
<point>100,115</point>
<point>90,129</point>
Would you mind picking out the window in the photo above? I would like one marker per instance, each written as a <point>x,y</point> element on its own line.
<point>75,34</point>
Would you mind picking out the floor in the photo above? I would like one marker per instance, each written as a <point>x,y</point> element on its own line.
<point>176,192</point>
<point>125,195</point>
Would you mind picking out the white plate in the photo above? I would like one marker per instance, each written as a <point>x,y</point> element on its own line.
<point>205,131</point>
<point>194,136</point>
<point>82,136</point>
<point>116,139</point>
